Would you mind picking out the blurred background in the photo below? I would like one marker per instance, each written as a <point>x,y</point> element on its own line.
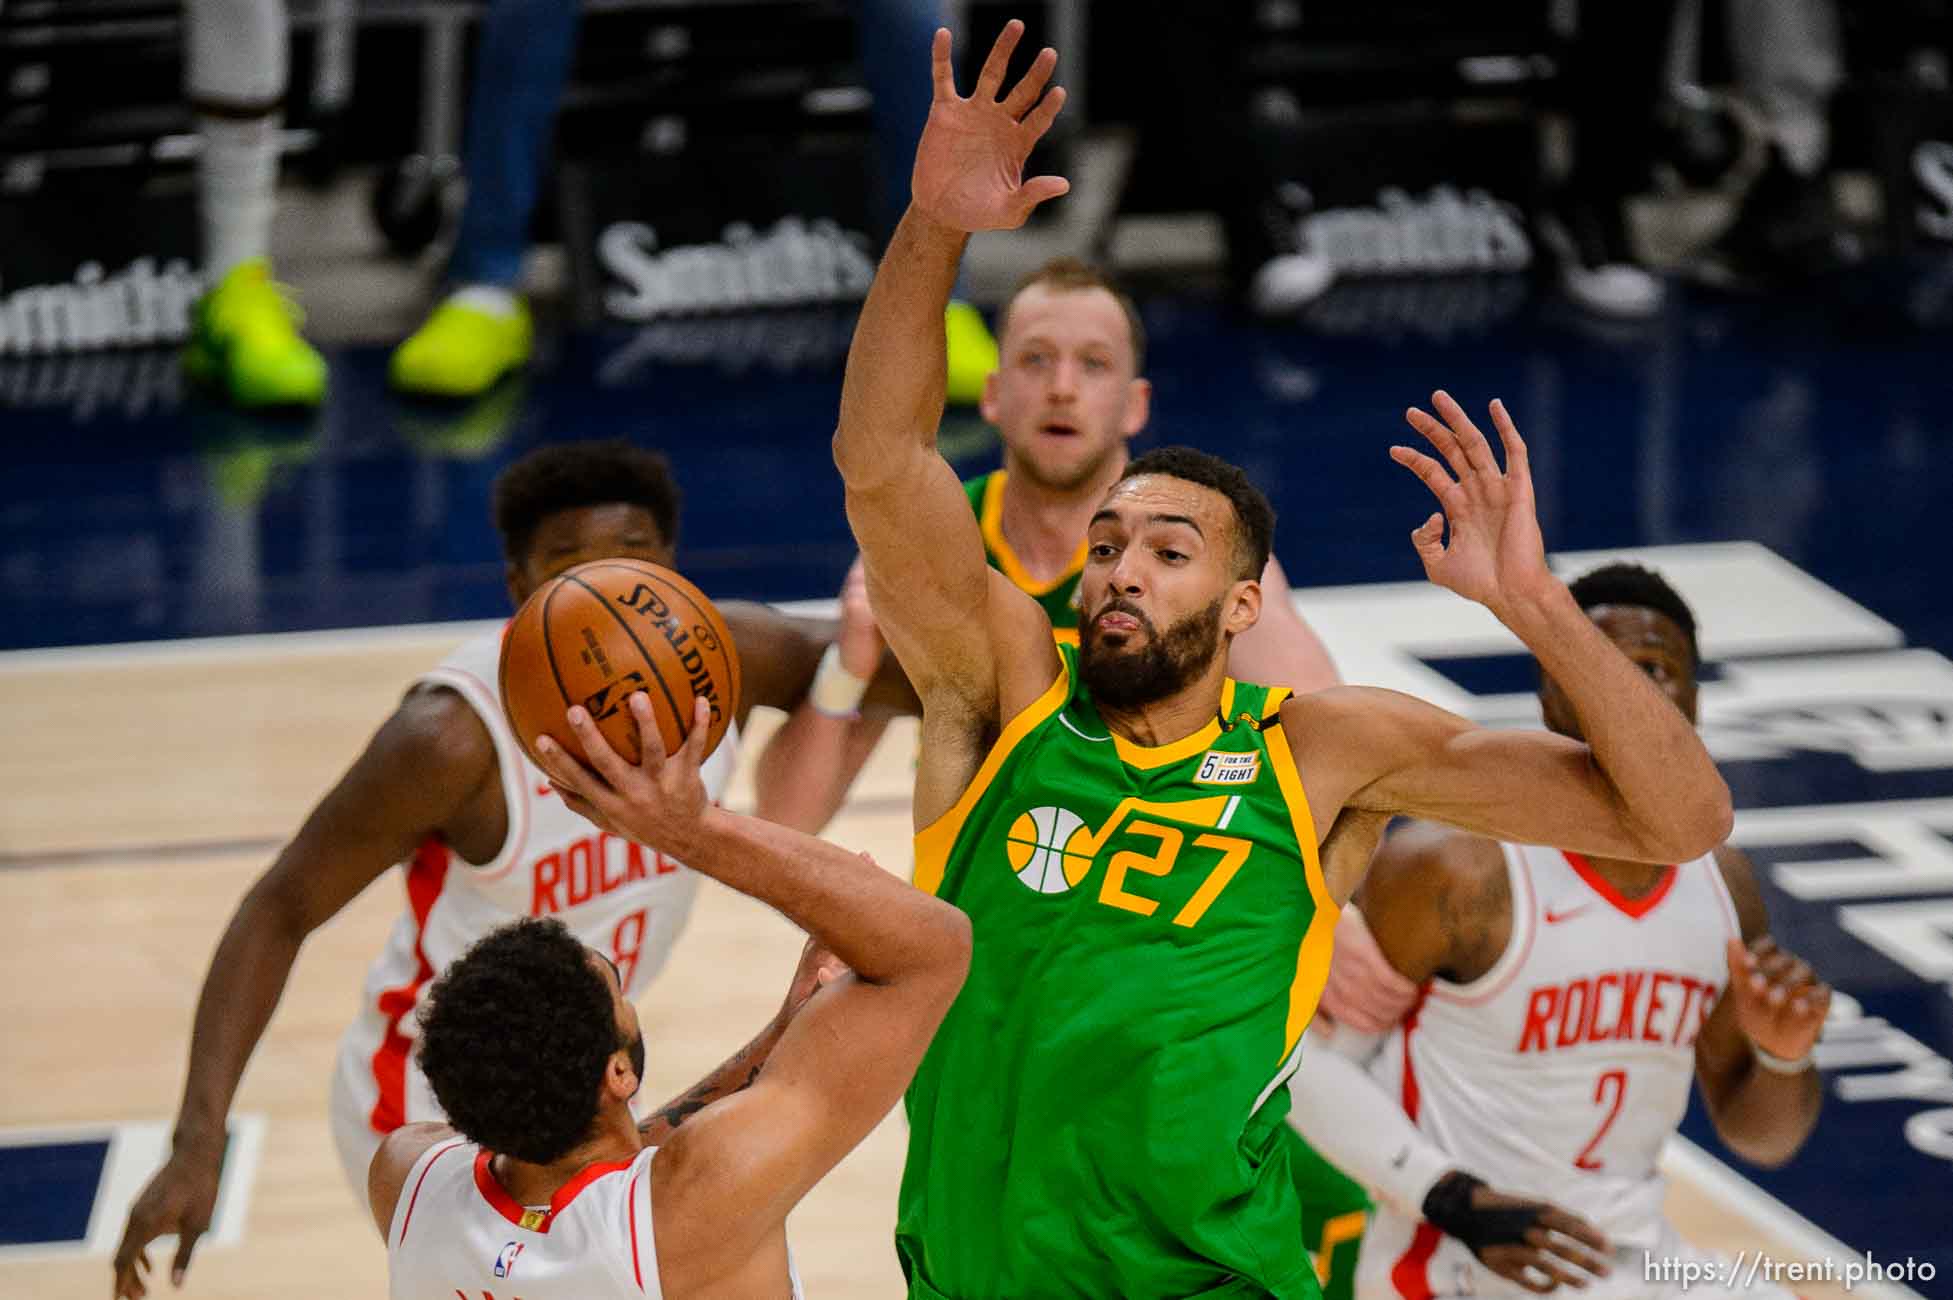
<point>1701,246</point>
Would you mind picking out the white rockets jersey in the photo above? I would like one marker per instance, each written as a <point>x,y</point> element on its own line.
<point>627,900</point>
<point>1561,1071</point>
<point>456,1231</point>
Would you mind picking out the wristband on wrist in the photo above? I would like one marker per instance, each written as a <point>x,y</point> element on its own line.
<point>836,692</point>
<point>1780,1065</point>
<point>1448,1207</point>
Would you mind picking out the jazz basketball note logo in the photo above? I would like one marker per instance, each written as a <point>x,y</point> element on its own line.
<point>1050,849</point>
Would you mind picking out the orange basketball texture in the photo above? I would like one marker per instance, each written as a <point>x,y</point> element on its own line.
<point>596,634</point>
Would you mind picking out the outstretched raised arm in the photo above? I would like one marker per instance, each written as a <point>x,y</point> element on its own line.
<point>1641,786</point>
<point>939,607</point>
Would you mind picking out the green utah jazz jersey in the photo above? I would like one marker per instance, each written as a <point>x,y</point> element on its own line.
<point>1101,1113</point>
<point>986,493</point>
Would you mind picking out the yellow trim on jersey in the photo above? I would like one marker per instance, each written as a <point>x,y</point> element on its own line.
<point>1065,635</point>
<point>1312,958</point>
<point>1137,755</point>
<point>990,522</point>
<point>1134,754</point>
<point>934,841</point>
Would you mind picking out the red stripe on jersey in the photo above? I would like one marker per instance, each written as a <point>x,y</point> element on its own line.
<point>636,1271</point>
<point>503,1204</point>
<point>1410,1097</point>
<point>1632,907</point>
<point>424,879</point>
<point>1411,1274</point>
<point>426,1169</point>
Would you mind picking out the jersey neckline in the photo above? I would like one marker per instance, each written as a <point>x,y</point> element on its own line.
<point>521,1216</point>
<point>1633,908</point>
<point>990,523</point>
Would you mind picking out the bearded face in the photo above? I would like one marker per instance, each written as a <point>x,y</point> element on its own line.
<point>1127,667</point>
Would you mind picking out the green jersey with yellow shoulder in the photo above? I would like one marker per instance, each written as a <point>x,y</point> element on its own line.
<point>986,493</point>
<point>1102,1111</point>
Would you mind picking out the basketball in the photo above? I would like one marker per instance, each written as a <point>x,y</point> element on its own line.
<point>602,631</point>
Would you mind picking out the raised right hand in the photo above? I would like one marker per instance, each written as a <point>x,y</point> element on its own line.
<point>969,166</point>
<point>180,1199</point>
<point>658,802</point>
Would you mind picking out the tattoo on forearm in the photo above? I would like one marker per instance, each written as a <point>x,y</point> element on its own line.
<point>698,1099</point>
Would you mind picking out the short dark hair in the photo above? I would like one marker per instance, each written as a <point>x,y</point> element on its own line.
<point>566,475</point>
<point>1254,518</point>
<point>1631,584</point>
<point>514,1039</point>
<point>1070,275</point>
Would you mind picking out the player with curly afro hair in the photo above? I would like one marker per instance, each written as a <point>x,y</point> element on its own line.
<point>515,1037</point>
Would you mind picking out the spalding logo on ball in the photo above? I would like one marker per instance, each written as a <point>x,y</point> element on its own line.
<point>595,635</point>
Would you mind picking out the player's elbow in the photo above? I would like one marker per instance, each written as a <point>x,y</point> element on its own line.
<point>951,944</point>
<point>855,459</point>
<point>1705,824</point>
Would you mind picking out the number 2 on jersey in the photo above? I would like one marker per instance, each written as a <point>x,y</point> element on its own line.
<point>1585,1160</point>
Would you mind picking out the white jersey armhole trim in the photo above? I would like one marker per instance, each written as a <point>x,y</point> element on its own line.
<point>642,1215</point>
<point>403,1205</point>
<point>1723,896</point>
<point>513,768</point>
<point>1518,942</point>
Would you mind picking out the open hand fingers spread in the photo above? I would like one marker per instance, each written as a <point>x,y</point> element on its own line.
<point>604,760</point>
<point>991,79</point>
<point>1517,464</point>
<point>1442,485</point>
<point>565,773</point>
<point>1038,121</point>
<point>940,71</point>
<point>1477,451</point>
<point>695,738</point>
<point>1025,93</point>
<point>1441,438</point>
<point>650,741</point>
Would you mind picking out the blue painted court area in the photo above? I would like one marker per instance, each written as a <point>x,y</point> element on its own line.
<point>1818,428</point>
<point>49,1190</point>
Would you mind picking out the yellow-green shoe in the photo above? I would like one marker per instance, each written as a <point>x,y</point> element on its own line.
<point>244,343</point>
<point>464,348</point>
<point>972,353</point>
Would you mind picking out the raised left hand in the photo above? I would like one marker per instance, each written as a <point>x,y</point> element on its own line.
<point>1495,553</point>
<point>1780,1001</point>
<point>969,165</point>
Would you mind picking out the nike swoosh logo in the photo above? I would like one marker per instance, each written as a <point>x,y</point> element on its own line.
<point>1397,1161</point>
<point>1554,918</point>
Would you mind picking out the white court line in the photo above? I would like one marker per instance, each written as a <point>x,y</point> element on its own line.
<point>1684,1160</point>
<point>135,1151</point>
<point>247,646</point>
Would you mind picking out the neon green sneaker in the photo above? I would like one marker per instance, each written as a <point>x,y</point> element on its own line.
<point>465,346</point>
<point>972,353</point>
<point>244,342</point>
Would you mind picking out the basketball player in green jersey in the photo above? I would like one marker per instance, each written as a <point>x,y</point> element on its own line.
<point>1136,837</point>
<point>1066,399</point>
